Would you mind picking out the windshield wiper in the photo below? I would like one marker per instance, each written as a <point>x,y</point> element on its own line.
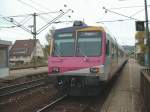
<point>83,54</point>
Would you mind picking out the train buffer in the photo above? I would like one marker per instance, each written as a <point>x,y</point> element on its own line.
<point>125,95</point>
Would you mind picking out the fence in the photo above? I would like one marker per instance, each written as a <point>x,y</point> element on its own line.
<point>145,87</point>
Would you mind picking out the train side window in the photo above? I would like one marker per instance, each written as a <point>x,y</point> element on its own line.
<point>119,53</point>
<point>107,48</point>
<point>113,50</point>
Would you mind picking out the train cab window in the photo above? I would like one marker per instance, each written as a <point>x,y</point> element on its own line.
<point>107,48</point>
<point>64,45</point>
<point>89,43</point>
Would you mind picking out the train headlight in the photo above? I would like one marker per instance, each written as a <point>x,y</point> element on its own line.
<point>102,67</point>
<point>94,70</point>
<point>55,70</point>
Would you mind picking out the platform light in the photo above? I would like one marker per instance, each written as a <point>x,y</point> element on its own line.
<point>99,69</point>
<point>140,26</point>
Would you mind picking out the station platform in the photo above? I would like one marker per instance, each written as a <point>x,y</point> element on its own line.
<point>25,72</point>
<point>125,95</point>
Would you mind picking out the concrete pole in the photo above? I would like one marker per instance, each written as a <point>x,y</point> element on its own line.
<point>34,37</point>
<point>147,58</point>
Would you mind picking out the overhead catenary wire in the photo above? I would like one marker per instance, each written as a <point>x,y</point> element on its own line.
<point>128,7</point>
<point>15,23</point>
<point>43,18</point>
<point>7,26</point>
<point>137,12</point>
<point>24,15</point>
<point>40,5</point>
<point>107,10</point>
<point>49,23</point>
<point>53,20</point>
<point>46,20</point>
<point>21,15</point>
<point>10,19</point>
<point>119,20</point>
<point>25,19</point>
<point>37,9</point>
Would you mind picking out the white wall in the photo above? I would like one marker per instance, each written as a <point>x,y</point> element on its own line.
<point>21,58</point>
<point>4,72</point>
<point>39,51</point>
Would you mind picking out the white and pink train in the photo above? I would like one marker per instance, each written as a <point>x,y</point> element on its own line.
<point>84,58</point>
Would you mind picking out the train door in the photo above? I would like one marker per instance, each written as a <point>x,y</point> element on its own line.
<point>108,59</point>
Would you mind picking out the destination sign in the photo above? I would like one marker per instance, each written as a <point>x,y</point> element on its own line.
<point>65,35</point>
<point>89,34</point>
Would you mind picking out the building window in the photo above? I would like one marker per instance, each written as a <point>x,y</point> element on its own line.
<point>3,58</point>
<point>20,51</point>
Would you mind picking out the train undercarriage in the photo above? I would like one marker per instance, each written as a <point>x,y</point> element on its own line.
<point>80,85</point>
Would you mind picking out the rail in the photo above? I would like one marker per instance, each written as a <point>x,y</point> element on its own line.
<point>16,88</point>
<point>52,103</point>
<point>27,67</point>
<point>145,87</point>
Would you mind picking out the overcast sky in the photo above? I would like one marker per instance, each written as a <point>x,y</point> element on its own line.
<point>90,11</point>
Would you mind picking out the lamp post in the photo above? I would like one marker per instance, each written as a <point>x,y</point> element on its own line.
<point>147,55</point>
<point>147,38</point>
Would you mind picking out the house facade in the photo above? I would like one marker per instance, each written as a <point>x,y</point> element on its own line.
<point>23,51</point>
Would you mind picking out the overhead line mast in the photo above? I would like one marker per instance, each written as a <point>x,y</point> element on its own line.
<point>34,35</point>
<point>35,32</point>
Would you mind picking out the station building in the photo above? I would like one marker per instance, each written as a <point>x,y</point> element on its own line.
<point>4,58</point>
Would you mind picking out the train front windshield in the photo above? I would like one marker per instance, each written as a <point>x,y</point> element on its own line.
<point>88,44</point>
<point>64,45</point>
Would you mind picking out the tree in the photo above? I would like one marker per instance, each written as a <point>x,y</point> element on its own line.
<point>49,38</point>
<point>140,47</point>
<point>139,36</point>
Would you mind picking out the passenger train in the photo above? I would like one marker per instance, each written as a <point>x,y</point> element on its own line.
<point>84,58</point>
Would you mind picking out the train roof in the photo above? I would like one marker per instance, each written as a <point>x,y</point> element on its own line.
<point>69,29</point>
<point>79,26</point>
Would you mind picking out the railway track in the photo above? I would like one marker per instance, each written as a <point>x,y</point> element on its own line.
<point>27,67</point>
<point>16,88</point>
<point>67,104</point>
<point>79,104</point>
<point>70,104</point>
<point>45,108</point>
<point>17,80</point>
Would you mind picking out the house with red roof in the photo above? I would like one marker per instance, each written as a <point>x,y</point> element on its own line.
<point>23,51</point>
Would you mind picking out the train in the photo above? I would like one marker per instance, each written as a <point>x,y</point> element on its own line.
<point>84,59</point>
